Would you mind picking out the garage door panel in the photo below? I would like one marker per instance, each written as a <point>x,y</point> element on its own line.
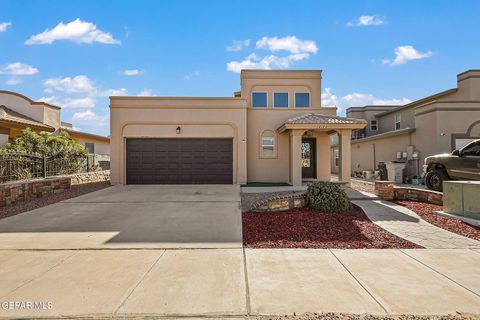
<point>179,161</point>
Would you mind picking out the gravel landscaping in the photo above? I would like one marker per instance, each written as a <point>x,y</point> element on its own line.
<point>343,316</point>
<point>427,212</point>
<point>308,228</point>
<point>73,192</point>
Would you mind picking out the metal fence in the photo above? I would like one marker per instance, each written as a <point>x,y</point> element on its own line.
<point>24,166</point>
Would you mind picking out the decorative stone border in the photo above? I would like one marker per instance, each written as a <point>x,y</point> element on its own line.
<point>280,203</point>
<point>15,191</point>
<point>388,191</point>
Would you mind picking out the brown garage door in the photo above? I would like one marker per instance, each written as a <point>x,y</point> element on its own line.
<point>179,161</point>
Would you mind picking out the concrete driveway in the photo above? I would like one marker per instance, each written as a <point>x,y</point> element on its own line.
<point>153,216</point>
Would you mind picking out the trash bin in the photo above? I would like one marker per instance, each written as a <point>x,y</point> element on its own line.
<point>395,171</point>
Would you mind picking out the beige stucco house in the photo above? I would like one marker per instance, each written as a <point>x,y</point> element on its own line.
<point>18,112</point>
<point>436,124</point>
<point>273,130</point>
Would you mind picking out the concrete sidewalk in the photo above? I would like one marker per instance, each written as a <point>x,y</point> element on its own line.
<point>239,282</point>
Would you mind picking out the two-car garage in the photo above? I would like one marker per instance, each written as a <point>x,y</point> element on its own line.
<point>179,161</point>
<point>173,140</point>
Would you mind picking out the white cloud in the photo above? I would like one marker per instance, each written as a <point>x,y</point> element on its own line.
<point>363,21</point>
<point>145,93</point>
<point>71,103</point>
<point>80,83</point>
<point>4,26</point>
<point>77,31</point>
<point>238,45</point>
<point>13,82</point>
<point>86,115</point>
<point>133,72</point>
<point>288,43</point>
<point>252,61</point>
<point>298,50</point>
<point>403,54</point>
<point>192,75</point>
<point>357,99</point>
<point>19,69</point>
<point>114,92</point>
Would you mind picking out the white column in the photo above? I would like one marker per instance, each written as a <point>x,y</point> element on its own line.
<point>296,157</point>
<point>345,155</point>
<point>323,156</point>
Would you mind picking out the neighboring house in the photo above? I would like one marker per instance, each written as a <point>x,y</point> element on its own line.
<point>273,130</point>
<point>18,112</point>
<point>436,124</point>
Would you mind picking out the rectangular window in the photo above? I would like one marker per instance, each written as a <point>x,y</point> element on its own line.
<point>268,146</point>
<point>259,99</point>
<point>90,146</point>
<point>280,99</point>
<point>398,121</point>
<point>373,125</point>
<point>302,100</point>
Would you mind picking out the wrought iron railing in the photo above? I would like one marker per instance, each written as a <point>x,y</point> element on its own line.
<point>15,166</point>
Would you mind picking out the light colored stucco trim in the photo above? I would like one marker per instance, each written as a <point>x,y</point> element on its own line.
<point>280,74</point>
<point>333,126</point>
<point>447,108</point>
<point>32,102</point>
<point>418,102</point>
<point>122,152</point>
<point>385,135</point>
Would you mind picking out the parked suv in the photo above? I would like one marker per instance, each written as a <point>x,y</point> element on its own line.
<point>463,164</point>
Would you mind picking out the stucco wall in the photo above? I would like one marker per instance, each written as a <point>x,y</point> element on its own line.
<point>101,147</point>
<point>159,118</point>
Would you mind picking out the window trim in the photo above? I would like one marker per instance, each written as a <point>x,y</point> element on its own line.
<point>93,144</point>
<point>376,125</point>
<point>399,121</point>
<point>309,99</point>
<point>288,99</point>
<point>273,134</point>
<point>266,93</point>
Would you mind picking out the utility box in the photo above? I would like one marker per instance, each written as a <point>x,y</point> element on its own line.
<point>461,198</point>
<point>395,171</point>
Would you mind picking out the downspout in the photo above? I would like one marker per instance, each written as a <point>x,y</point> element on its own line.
<point>374,157</point>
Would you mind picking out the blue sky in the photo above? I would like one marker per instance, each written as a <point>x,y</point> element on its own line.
<point>369,51</point>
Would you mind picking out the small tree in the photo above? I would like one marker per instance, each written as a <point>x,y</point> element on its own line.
<point>45,144</point>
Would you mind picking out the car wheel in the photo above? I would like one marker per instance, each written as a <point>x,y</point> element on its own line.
<point>434,180</point>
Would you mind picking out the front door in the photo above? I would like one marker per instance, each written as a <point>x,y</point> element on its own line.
<point>308,158</point>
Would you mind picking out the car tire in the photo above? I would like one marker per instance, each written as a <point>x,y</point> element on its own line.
<point>434,180</point>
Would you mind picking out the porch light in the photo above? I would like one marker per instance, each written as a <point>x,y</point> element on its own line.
<point>178,130</point>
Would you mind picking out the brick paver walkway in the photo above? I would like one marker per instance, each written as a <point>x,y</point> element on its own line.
<point>407,224</point>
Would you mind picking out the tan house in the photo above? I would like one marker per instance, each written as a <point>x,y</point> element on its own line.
<point>18,112</point>
<point>436,124</point>
<point>273,130</point>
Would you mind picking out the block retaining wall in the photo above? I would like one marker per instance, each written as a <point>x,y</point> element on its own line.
<point>388,191</point>
<point>15,191</point>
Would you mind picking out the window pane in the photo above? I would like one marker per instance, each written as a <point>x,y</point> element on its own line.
<point>268,151</point>
<point>259,99</point>
<point>472,149</point>
<point>280,99</point>
<point>302,100</point>
<point>90,147</point>
<point>268,141</point>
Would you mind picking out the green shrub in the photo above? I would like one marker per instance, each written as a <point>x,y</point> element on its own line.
<point>327,197</point>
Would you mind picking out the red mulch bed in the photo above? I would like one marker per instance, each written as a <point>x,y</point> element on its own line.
<point>73,192</point>
<point>427,212</point>
<point>308,228</point>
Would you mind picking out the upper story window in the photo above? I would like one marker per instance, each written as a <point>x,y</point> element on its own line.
<point>280,99</point>
<point>267,144</point>
<point>259,99</point>
<point>398,121</point>
<point>302,99</point>
<point>374,125</point>
<point>90,146</point>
